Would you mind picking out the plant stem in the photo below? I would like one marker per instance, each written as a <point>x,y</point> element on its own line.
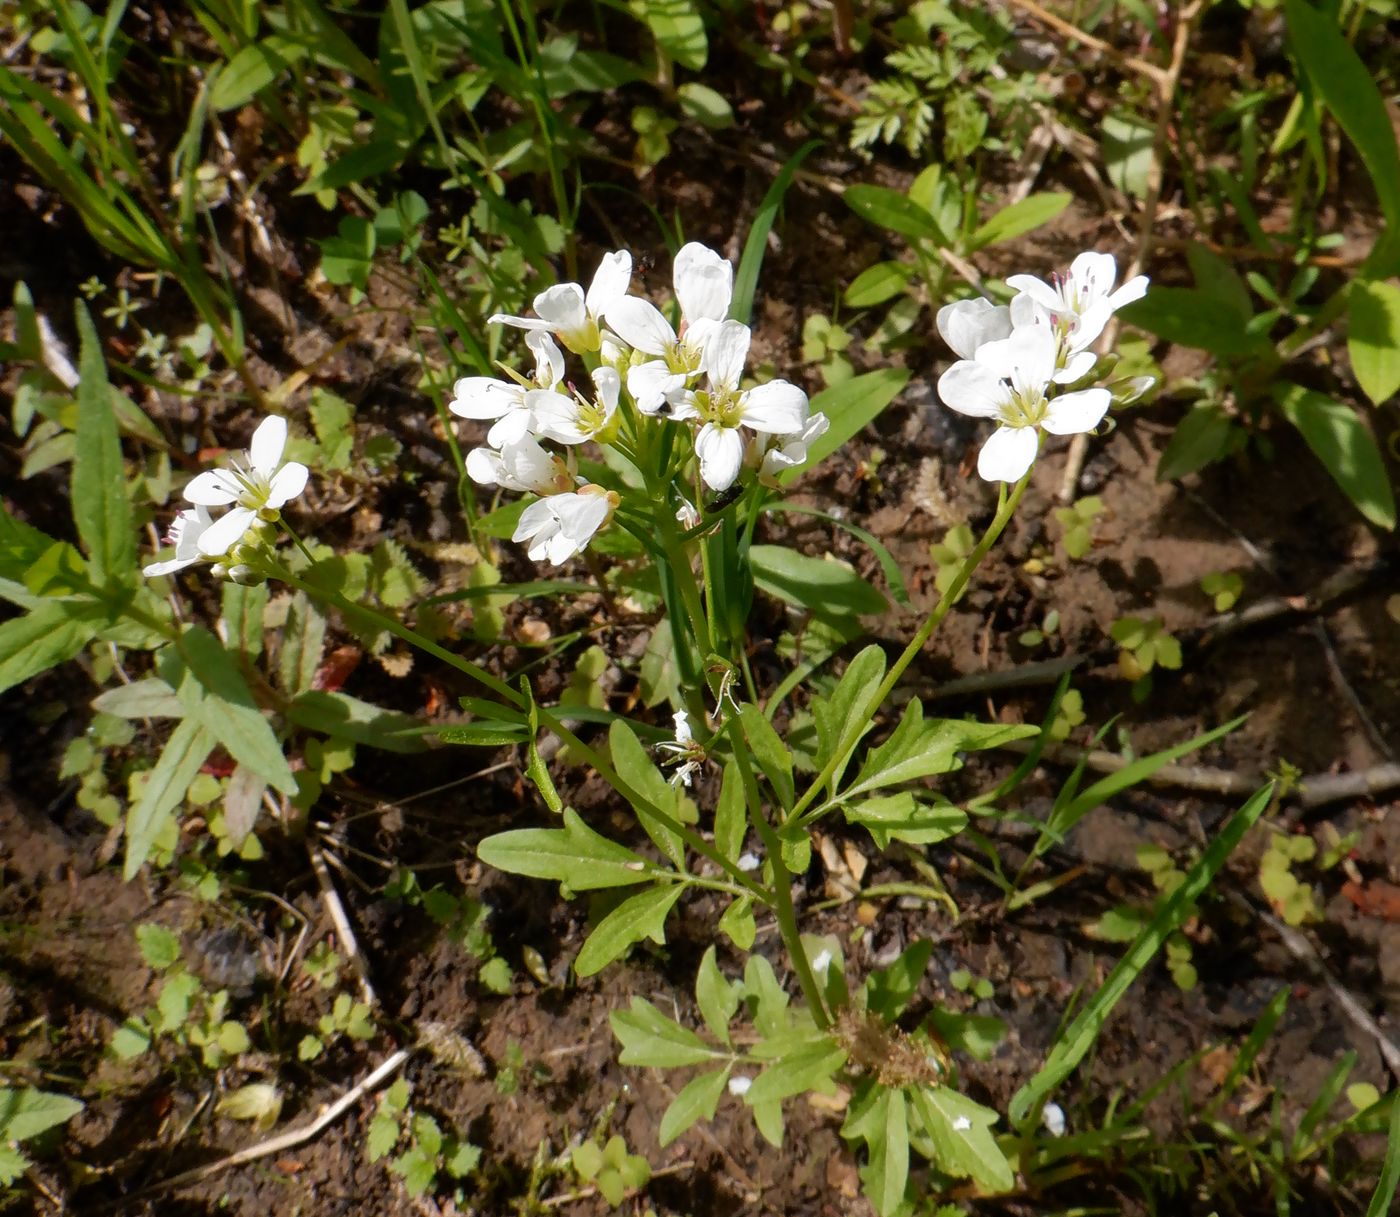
<point>1006,508</point>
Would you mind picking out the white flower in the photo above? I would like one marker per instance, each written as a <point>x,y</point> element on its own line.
<point>739,1085</point>
<point>185,532</point>
<point>572,314</point>
<point>562,525</point>
<point>1052,1116</point>
<point>777,408</point>
<point>967,324</point>
<point>507,401</point>
<point>821,961</point>
<point>749,862</point>
<point>704,284</point>
<point>1080,303</point>
<point>1007,381</point>
<point>571,419</point>
<point>686,515</point>
<point>520,465</point>
<point>788,451</point>
<point>685,747</point>
<point>255,489</point>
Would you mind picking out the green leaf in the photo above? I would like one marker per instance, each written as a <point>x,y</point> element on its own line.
<point>756,243</point>
<point>890,989</point>
<point>705,106</point>
<point>254,68</point>
<point>918,749</point>
<point>1390,1170</point>
<point>806,1067</point>
<point>1011,222</point>
<point>849,406</point>
<point>660,677</point>
<point>160,948</point>
<point>242,614</point>
<point>896,212</point>
<point>737,922</point>
<point>185,751</point>
<point>1340,440</point>
<point>697,1100</point>
<point>772,755</point>
<point>961,1132</point>
<point>216,696</point>
<point>888,1138</point>
<point>1201,438</point>
<point>303,639</point>
<point>1076,1040</point>
<point>717,997</point>
<point>904,817</point>
<point>731,814</point>
<point>28,1112</point>
<point>876,284</point>
<point>13,1164</point>
<point>574,855</point>
<point>648,1037</point>
<point>637,917</point>
<point>825,588</point>
<point>101,509</point>
<point>844,717</point>
<point>637,769</point>
<point>1192,318</point>
<point>1348,88</point>
<point>1373,338</point>
<point>344,717</point>
<point>1127,150</point>
<point>678,29</point>
<point>130,1040</point>
<point>382,1137</point>
<point>535,767</point>
<point>45,637</point>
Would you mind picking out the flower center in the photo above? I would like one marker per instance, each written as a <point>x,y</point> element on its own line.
<point>1023,409</point>
<point>255,487</point>
<point>724,408</point>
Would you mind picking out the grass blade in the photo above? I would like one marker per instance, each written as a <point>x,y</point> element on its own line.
<point>746,278</point>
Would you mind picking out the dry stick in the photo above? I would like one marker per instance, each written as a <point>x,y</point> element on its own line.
<point>587,1193</point>
<point>343,932</point>
<point>1166,91</point>
<point>1300,946</point>
<point>292,1137</point>
<point>1075,34</point>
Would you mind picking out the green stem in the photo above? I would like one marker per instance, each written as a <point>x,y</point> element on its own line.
<point>782,882</point>
<point>1005,510</point>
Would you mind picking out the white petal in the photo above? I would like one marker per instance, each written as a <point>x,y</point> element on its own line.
<point>556,417</point>
<point>1133,289</point>
<point>482,397</point>
<point>1089,324</point>
<point>651,383</point>
<point>287,483</point>
<point>549,359</point>
<point>704,282</point>
<point>1042,293</point>
<point>778,408</point>
<point>484,466</point>
<point>726,353</point>
<point>967,324</point>
<point>533,519</point>
<point>721,453</point>
<point>1093,276</point>
<point>1027,358</point>
<point>580,515</point>
<point>609,386</point>
<point>513,425</point>
<point>562,307</point>
<point>213,488</point>
<point>524,465</point>
<point>971,388</point>
<point>1025,310</point>
<point>1077,366</point>
<point>265,452</point>
<point>640,324</point>
<point>1007,455</point>
<point>520,323</point>
<point>610,282</point>
<point>168,567</point>
<point>1076,412</point>
<point>226,532</point>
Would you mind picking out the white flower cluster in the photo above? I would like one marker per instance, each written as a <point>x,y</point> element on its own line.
<point>253,490</point>
<point>1015,358</point>
<point>689,376</point>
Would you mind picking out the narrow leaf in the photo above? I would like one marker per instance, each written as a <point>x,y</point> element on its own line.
<point>1340,440</point>
<point>185,751</point>
<point>101,509</point>
<point>637,917</point>
<point>574,855</point>
<point>697,1100</point>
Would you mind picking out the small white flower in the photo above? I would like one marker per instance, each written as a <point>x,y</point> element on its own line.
<point>185,532</point>
<point>1080,303</point>
<point>508,401</point>
<point>1052,1116</point>
<point>704,284</point>
<point>521,465</point>
<point>782,452</point>
<point>967,324</point>
<point>749,862</point>
<point>571,419</point>
<point>776,408</point>
<point>253,490</point>
<point>821,961</point>
<point>739,1085</point>
<point>562,525</point>
<point>961,1124</point>
<point>573,315</point>
<point>686,515</point>
<point>1007,381</point>
<point>684,746</point>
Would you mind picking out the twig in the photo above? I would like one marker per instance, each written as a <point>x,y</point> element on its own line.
<point>1108,50</point>
<point>343,932</point>
<point>587,1193</point>
<point>1166,94</point>
<point>1300,946</point>
<point>1188,777</point>
<point>292,1137</point>
<point>1326,788</point>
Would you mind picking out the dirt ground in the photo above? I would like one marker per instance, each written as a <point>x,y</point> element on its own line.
<point>1320,686</point>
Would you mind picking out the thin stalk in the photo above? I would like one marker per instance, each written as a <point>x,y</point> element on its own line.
<point>1005,510</point>
<point>782,882</point>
